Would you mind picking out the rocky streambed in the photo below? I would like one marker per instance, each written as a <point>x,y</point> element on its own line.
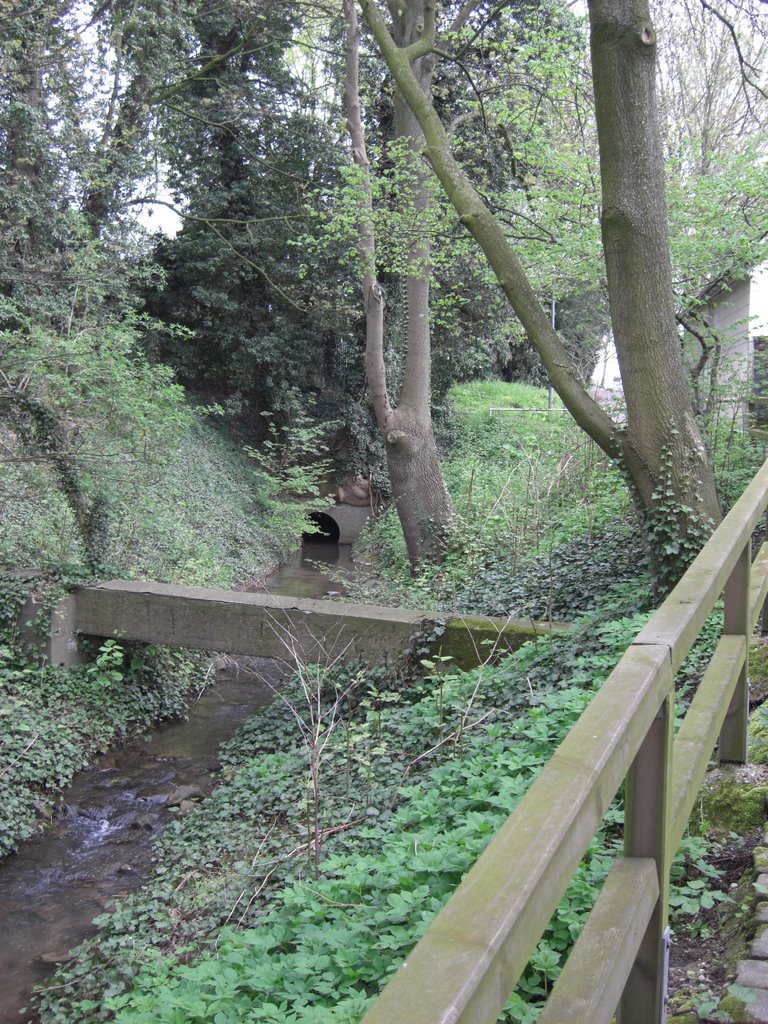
<point>99,845</point>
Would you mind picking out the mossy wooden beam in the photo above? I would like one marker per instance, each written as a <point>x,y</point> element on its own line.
<point>591,983</point>
<point>468,960</point>
<point>732,744</point>
<point>758,585</point>
<point>680,618</point>
<point>646,828</point>
<point>703,720</point>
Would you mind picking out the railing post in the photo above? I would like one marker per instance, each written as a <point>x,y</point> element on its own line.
<point>733,735</point>
<point>646,826</point>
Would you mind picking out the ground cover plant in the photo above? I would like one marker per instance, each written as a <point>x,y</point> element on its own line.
<point>193,516</point>
<point>544,526</point>
<point>242,922</point>
<point>192,509</point>
<point>542,519</point>
<point>53,721</point>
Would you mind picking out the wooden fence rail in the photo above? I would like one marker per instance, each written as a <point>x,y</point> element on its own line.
<point>467,963</point>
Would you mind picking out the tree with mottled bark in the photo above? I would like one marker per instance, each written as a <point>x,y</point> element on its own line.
<point>419,492</point>
<point>659,446</point>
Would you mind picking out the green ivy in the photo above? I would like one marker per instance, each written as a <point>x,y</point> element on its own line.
<point>419,775</point>
<point>53,721</point>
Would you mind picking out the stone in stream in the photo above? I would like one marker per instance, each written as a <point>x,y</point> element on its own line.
<point>55,957</point>
<point>182,794</point>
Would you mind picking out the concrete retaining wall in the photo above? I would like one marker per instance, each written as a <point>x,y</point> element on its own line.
<point>350,520</point>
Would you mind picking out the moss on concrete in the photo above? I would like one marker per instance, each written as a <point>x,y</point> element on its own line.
<point>472,640</point>
<point>734,1010</point>
<point>733,805</point>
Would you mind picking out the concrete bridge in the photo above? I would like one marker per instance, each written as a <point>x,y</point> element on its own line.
<point>267,625</point>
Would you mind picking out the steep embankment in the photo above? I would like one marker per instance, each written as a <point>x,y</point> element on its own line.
<point>188,508</point>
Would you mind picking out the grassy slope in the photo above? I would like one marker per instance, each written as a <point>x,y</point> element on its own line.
<point>236,923</point>
<point>522,484</point>
<point>193,518</point>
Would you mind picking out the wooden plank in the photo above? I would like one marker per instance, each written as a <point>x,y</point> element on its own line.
<point>696,739</point>
<point>646,834</point>
<point>758,587</point>
<point>680,618</point>
<point>591,983</point>
<point>733,735</point>
<point>469,959</point>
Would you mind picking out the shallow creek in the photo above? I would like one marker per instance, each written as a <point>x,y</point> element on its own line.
<point>99,845</point>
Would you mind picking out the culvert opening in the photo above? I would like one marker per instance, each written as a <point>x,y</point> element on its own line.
<point>327,529</point>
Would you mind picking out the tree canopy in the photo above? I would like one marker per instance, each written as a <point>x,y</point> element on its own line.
<point>233,115</point>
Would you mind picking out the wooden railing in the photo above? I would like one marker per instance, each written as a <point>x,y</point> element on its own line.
<point>467,963</point>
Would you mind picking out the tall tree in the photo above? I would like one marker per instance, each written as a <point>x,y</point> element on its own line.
<point>660,445</point>
<point>419,492</point>
<point>245,149</point>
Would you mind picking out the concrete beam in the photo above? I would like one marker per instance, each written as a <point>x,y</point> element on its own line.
<point>51,632</point>
<point>265,625</point>
<point>269,625</point>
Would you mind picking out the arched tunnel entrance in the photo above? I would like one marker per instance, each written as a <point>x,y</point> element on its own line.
<point>327,529</point>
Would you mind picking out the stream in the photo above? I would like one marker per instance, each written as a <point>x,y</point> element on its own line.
<point>100,844</point>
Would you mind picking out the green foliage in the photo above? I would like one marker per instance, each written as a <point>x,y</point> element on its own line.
<point>418,775</point>
<point>195,518</point>
<point>675,533</point>
<point>565,582</point>
<point>541,525</point>
<point>736,453</point>
<point>83,413</point>
<point>474,400</point>
<point>53,721</point>
<point>292,469</point>
<point>694,885</point>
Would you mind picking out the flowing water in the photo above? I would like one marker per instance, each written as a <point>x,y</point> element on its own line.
<point>306,573</point>
<point>99,846</point>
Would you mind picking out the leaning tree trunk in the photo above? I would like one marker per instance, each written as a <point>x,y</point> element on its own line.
<point>660,447</point>
<point>421,499</point>
<point>414,470</point>
<point>663,449</point>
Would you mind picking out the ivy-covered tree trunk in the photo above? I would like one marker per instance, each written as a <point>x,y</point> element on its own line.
<point>420,496</point>
<point>414,470</point>
<point>662,446</point>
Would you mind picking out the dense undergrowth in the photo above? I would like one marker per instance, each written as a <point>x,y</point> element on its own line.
<point>347,812</point>
<point>53,721</point>
<point>196,515</point>
<point>296,890</point>
<point>544,524</point>
<point>188,507</point>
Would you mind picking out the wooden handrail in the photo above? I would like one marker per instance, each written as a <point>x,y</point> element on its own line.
<point>466,964</point>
